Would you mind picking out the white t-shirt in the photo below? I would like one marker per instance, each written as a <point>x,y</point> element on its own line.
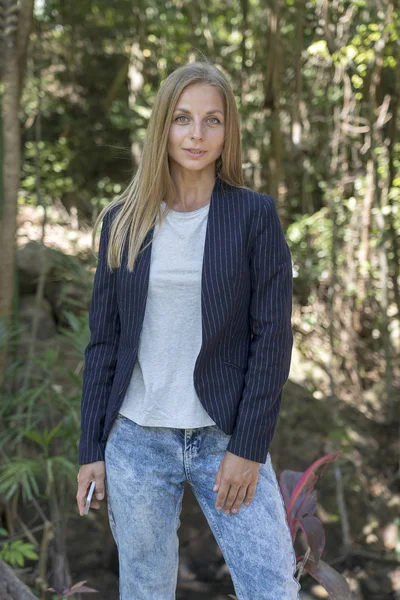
<point>161,390</point>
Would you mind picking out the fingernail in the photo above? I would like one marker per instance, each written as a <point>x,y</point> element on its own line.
<point>215,488</point>
<point>99,496</point>
<point>234,510</point>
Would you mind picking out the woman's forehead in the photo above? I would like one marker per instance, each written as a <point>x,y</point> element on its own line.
<point>199,94</point>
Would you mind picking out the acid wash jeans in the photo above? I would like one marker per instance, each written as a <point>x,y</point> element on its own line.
<point>146,468</point>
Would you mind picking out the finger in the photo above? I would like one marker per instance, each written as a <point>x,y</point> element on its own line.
<point>81,496</point>
<point>233,491</point>
<point>251,490</point>
<point>222,494</point>
<point>80,500</point>
<point>99,488</point>
<point>239,498</point>
<point>217,480</point>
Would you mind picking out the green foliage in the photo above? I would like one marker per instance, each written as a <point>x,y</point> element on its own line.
<point>39,440</point>
<point>54,162</point>
<point>310,239</point>
<point>42,426</point>
<point>78,334</point>
<point>19,473</point>
<point>16,552</point>
<point>91,118</point>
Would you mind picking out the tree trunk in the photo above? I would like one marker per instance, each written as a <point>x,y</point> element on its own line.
<point>14,43</point>
<point>12,588</point>
<point>272,93</point>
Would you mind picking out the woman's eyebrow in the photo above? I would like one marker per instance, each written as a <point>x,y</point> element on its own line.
<point>184,110</point>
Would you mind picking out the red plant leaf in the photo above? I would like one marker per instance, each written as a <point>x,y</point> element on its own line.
<point>75,589</point>
<point>309,477</point>
<point>315,535</point>
<point>305,504</point>
<point>287,482</point>
<point>78,584</point>
<point>79,589</point>
<point>333,582</point>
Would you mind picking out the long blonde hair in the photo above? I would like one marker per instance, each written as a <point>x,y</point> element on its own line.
<point>152,181</point>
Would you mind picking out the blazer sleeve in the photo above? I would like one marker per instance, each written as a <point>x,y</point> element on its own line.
<point>100,354</point>
<point>270,349</point>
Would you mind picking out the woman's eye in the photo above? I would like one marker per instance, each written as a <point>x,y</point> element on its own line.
<point>184,117</point>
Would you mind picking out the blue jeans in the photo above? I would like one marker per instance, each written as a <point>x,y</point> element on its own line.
<point>146,468</point>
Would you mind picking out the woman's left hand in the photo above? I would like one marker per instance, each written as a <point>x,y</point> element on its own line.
<point>236,481</point>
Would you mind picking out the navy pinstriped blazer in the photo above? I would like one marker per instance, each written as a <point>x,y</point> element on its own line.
<point>246,305</point>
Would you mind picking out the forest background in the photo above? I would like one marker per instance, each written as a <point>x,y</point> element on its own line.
<point>317,85</point>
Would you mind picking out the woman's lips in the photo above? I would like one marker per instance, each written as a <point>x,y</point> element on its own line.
<point>194,154</point>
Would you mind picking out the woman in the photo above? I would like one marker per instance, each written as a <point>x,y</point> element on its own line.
<point>190,347</point>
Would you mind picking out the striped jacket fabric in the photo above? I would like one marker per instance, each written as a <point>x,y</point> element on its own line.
<point>246,306</point>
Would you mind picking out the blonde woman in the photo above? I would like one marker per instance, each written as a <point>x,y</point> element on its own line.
<point>190,347</point>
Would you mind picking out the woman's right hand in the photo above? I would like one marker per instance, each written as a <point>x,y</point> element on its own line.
<point>87,473</point>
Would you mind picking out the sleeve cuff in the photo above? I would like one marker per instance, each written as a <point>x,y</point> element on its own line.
<point>93,453</point>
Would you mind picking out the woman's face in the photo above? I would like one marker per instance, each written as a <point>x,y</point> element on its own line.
<point>197,123</point>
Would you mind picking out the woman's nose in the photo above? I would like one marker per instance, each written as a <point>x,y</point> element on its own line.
<point>197,129</point>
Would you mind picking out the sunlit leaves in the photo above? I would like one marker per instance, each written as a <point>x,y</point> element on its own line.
<point>20,472</point>
<point>319,48</point>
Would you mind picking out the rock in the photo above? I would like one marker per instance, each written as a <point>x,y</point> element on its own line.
<point>28,261</point>
<point>67,282</point>
<point>27,310</point>
<point>68,295</point>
